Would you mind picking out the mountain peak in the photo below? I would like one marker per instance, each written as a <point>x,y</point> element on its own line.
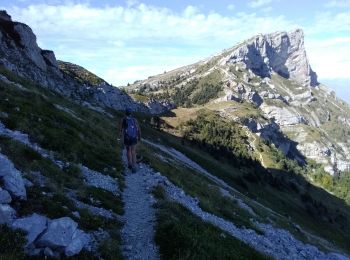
<point>280,52</point>
<point>5,16</point>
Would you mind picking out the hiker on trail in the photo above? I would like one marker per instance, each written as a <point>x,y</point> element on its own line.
<point>131,133</point>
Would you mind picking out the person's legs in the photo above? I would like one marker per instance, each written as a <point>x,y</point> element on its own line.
<point>133,154</point>
<point>129,155</point>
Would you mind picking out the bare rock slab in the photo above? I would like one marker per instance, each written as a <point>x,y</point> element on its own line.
<point>34,225</point>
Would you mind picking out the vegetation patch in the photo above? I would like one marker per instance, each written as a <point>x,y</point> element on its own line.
<point>91,142</point>
<point>11,243</point>
<point>181,235</point>
<point>101,198</point>
<point>79,73</point>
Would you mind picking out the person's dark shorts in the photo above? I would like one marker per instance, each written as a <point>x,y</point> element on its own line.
<point>130,142</point>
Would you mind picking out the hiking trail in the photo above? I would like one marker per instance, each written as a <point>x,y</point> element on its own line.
<point>139,215</point>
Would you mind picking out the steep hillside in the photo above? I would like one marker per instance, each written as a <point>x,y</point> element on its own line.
<point>272,75</point>
<point>207,186</point>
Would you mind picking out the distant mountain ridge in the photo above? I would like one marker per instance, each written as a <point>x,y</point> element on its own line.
<point>272,72</point>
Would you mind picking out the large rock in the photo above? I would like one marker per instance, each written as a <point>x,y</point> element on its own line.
<point>283,116</point>
<point>28,40</point>
<point>281,52</point>
<point>50,58</point>
<point>12,178</point>
<point>79,240</point>
<point>34,225</point>
<point>63,234</point>
<point>7,214</point>
<point>58,234</point>
<point>5,197</point>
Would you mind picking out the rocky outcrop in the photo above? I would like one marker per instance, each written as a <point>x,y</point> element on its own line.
<point>12,178</point>
<point>58,234</point>
<point>51,237</point>
<point>283,116</point>
<point>4,16</point>
<point>22,55</point>
<point>7,214</point>
<point>280,52</point>
<point>242,92</point>
<point>158,107</point>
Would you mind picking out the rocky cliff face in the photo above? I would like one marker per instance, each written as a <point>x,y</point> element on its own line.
<point>20,54</point>
<point>272,74</point>
<point>280,52</point>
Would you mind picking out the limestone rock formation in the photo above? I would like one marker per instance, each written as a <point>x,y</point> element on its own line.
<point>23,56</point>
<point>280,52</point>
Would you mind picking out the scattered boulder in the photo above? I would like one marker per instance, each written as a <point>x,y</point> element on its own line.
<point>63,234</point>
<point>5,197</point>
<point>12,178</point>
<point>7,214</point>
<point>34,225</point>
<point>79,240</point>
<point>58,234</point>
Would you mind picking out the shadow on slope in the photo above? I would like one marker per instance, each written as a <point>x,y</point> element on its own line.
<point>286,190</point>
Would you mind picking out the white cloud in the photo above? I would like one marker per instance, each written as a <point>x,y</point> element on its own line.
<point>123,44</point>
<point>138,35</point>
<point>259,3</point>
<point>231,7</point>
<point>338,3</point>
<point>330,58</point>
<point>122,76</point>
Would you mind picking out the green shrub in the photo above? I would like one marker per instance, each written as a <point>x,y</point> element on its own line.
<point>11,243</point>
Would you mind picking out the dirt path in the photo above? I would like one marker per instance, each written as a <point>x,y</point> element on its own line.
<point>139,217</point>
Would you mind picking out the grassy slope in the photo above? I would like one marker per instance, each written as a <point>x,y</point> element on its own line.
<point>88,138</point>
<point>192,238</point>
<point>95,136</point>
<point>288,202</point>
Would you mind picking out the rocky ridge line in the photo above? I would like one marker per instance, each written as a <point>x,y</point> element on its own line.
<point>280,52</point>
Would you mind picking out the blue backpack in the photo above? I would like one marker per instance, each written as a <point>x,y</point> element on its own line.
<point>131,130</point>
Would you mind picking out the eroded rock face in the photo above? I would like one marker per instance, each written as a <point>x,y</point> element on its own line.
<point>280,52</point>
<point>157,107</point>
<point>283,116</point>
<point>50,58</point>
<point>12,178</point>
<point>23,56</point>
<point>28,41</point>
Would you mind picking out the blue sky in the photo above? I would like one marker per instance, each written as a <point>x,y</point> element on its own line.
<point>123,41</point>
